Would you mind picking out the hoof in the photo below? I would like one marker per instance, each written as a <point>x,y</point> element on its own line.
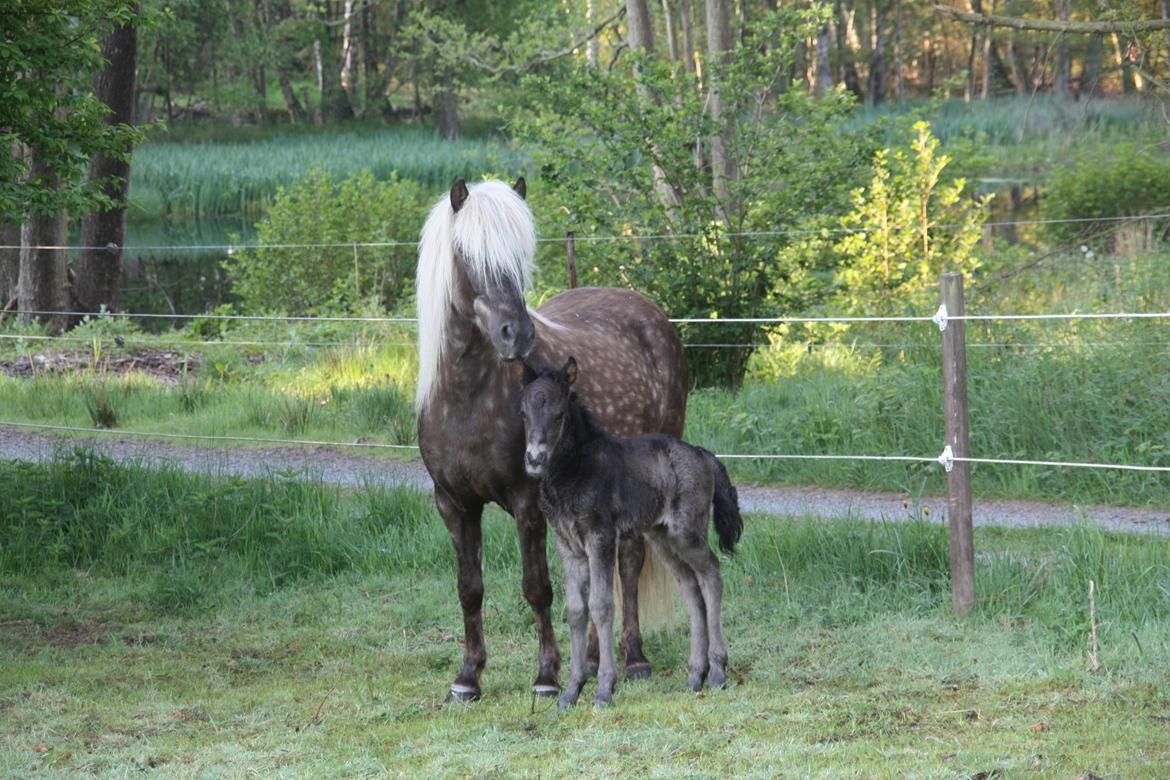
<point>462,694</point>
<point>638,671</point>
<point>601,703</point>
<point>545,690</point>
<point>716,679</point>
<point>565,703</point>
<point>695,682</point>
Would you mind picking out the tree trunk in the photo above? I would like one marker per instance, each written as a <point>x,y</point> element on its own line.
<point>1060,80</point>
<point>446,107</point>
<point>349,52</point>
<point>1166,15</point>
<point>824,79</point>
<point>98,279</point>
<point>639,28</point>
<point>43,272</point>
<point>688,36</point>
<point>985,88</point>
<point>669,26</point>
<point>335,105</point>
<point>1020,75</point>
<point>847,46</point>
<point>718,47</point>
<point>899,53</point>
<point>969,88</point>
<point>9,262</point>
<point>877,60</point>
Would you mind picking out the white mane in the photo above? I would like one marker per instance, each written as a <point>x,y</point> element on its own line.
<point>495,233</point>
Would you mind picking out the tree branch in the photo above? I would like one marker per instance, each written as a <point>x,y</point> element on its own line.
<point>542,59</point>
<point>1048,25</point>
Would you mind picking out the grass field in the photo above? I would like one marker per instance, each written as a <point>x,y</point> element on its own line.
<point>188,627</point>
<point>239,176</point>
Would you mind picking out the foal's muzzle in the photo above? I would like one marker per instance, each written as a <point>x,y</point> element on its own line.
<point>535,464</point>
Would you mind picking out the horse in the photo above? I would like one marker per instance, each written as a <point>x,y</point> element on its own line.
<point>595,487</point>
<point>476,258</point>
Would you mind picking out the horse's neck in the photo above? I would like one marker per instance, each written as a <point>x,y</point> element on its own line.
<point>470,363</point>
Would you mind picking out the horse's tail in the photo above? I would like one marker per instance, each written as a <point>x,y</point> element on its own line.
<point>728,521</point>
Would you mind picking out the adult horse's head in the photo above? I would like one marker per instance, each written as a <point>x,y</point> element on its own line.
<point>476,258</point>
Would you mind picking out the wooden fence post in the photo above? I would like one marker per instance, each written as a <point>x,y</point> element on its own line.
<point>571,248</point>
<point>954,366</point>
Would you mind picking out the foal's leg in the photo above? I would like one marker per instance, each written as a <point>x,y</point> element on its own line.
<point>576,567</point>
<point>600,546</point>
<point>463,524</point>
<point>692,594</point>
<point>631,556</point>
<point>531,528</point>
<point>706,570</point>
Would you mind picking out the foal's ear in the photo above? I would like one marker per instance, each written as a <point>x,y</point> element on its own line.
<point>570,371</point>
<point>521,188</point>
<point>458,194</point>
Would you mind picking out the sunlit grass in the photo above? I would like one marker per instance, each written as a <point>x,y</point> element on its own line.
<point>189,626</point>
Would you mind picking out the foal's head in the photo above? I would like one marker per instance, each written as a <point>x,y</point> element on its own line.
<point>544,407</point>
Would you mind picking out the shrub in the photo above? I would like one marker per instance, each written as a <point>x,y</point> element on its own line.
<point>1109,182</point>
<point>910,226</point>
<point>331,280</point>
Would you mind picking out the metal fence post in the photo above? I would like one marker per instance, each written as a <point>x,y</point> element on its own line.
<point>571,248</point>
<point>954,366</point>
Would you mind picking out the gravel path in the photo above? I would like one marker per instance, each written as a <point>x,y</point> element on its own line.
<point>342,466</point>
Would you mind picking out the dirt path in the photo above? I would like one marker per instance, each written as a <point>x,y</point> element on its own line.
<point>345,467</point>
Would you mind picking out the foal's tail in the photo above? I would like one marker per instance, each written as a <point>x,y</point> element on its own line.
<point>728,522</point>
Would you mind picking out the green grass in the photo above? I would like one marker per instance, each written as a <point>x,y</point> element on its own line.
<point>193,627</point>
<point>240,177</point>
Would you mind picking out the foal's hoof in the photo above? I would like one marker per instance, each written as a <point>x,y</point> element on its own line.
<point>462,694</point>
<point>717,679</point>
<point>564,703</point>
<point>545,690</point>
<point>638,671</point>
<point>695,681</point>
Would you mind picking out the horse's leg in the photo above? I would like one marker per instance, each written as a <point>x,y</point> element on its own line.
<point>463,524</point>
<point>688,585</point>
<point>532,530</point>
<point>631,555</point>
<point>576,567</point>
<point>706,570</point>
<point>601,547</point>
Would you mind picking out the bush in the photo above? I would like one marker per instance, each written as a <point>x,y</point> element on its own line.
<point>1110,182</point>
<point>331,280</point>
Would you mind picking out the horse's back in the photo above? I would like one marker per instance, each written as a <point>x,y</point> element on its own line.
<point>633,370</point>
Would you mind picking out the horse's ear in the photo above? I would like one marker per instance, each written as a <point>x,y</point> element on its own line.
<point>570,371</point>
<point>525,373</point>
<point>458,194</point>
<point>521,188</point>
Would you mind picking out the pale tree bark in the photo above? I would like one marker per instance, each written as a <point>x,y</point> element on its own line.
<point>669,27</point>
<point>718,48</point>
<point>847,47</point>
<point>593,48</point>
<point>1166,17</point>
<point>688,36</point>
<point>98,279</point>
<point>43,285</point>
<point>824,77</point>
<point>350,43</point>
<point>1060,80</point>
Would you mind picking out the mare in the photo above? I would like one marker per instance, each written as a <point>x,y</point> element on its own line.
<point>595,487</point>
<point>476,258</point>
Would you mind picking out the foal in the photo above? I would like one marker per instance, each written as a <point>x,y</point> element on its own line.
<point>595,487</point>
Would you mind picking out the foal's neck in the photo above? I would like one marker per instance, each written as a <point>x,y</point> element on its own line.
<point>581,430</point>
